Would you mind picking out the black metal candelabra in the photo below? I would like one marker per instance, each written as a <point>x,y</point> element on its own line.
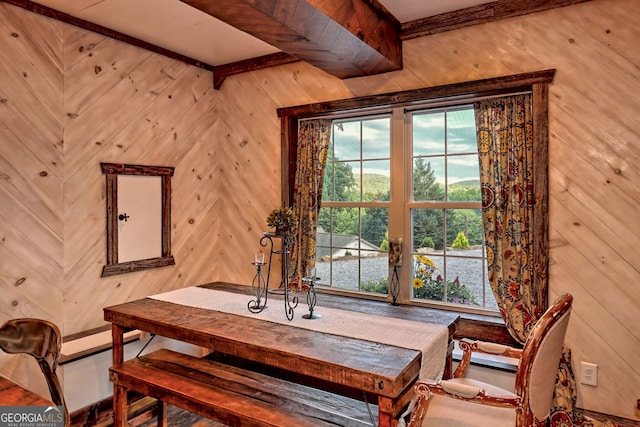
<point>267,240</point>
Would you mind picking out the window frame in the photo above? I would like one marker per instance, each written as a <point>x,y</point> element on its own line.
<point>535,82</point>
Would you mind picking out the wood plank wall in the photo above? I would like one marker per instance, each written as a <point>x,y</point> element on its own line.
<point>70,99</point>
<point>31,173</point>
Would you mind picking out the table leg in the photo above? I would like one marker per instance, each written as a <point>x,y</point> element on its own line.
<point>386,409</point>
<point>117,339</point>
<point>119,393</point>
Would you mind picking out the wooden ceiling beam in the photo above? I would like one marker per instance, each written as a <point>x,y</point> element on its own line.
<point>481,14</point>
<point>345,38</point>
<point>221,72</point>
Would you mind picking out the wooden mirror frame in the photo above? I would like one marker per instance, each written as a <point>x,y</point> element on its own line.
<point>112,170</point>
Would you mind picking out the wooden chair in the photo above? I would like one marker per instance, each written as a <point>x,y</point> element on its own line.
<point>463,402</point>
<point>40,339</point>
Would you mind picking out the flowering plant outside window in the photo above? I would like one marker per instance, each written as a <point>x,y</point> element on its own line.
<point>425,286</point>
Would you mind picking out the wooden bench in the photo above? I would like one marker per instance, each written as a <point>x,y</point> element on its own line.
<point>232,395</point>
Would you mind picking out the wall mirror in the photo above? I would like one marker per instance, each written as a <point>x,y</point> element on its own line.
<point>138,217</point>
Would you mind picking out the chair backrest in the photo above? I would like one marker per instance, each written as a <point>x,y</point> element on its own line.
<point>42,340</point>
<point>539,364</point>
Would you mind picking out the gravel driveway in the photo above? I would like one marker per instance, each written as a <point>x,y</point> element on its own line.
<point>465,264</point>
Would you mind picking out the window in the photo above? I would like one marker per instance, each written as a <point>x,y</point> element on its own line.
<point>353,220</point>
<point>406,165</point>
<point>445,209</point>
<point>441,203</point>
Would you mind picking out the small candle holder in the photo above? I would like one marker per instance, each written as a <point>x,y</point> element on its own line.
<point>394,286</point>
<point>395,261</point>
<point>311,297</point>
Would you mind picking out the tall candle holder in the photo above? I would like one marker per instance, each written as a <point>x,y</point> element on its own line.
<point>259,287</point>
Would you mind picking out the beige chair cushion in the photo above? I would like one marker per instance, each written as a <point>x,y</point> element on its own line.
<point>447,412</point>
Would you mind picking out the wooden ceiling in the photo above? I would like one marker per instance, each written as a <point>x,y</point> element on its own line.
<point>346,38</point>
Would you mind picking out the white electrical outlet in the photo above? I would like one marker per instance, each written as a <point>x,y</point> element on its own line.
<point>589,373</point>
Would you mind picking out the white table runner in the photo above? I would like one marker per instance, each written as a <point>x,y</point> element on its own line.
<point>428,338</point>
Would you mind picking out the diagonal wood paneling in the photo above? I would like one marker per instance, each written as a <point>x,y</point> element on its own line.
<point>31,167</point>
<point>145,109</point>
<point>225,146</point>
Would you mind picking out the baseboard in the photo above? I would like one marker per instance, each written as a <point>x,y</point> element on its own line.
<point>619,421</point>
<point>85,345</point>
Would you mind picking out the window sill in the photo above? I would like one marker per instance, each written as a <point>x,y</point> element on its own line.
<point>481,327</point>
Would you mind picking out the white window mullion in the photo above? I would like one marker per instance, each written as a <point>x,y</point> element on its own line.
<point>397,223</point>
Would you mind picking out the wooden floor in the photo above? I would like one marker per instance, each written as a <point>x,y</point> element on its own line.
<point>179,418</point>
<point>601,420</point>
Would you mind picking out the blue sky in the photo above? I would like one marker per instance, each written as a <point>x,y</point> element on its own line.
<point>428,140</point>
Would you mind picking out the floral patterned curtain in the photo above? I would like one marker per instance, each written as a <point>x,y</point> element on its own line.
<point>505,145</point>
<point>313,147</point>
<point>504,129</point>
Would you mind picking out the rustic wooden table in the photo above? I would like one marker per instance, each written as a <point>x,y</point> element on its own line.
<point>384,372</point>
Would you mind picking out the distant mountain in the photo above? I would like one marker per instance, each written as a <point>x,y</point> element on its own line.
<point>462,190</point>
<point>470,183</point>
<point>375,183</point>
<point>380,183</point>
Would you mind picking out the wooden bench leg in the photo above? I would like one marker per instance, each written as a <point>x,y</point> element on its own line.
<point>119,406</point>
<point>162,413</point>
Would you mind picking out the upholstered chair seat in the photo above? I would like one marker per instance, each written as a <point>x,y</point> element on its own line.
<point>447,412</point>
